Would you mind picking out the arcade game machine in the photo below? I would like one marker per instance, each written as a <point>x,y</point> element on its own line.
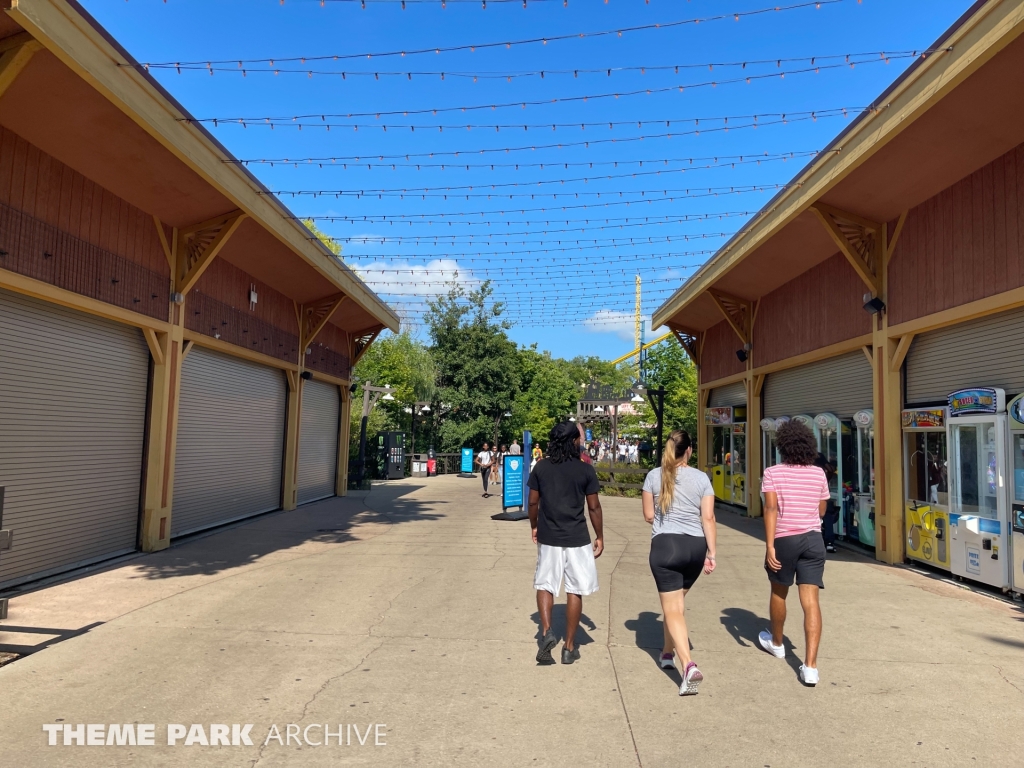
<point>926,485</point>
<point>728,455</point>
<point>864,487</point>
<point>979,513</point>
<point>1016,418</point>
<point>769,458</point>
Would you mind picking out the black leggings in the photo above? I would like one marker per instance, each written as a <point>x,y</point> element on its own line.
<point>677,559</point>
<point>485,474</point>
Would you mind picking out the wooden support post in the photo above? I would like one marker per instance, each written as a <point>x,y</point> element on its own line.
<point>293,422</point>
<point>15,53</point>
<point>703,431</point>
<point>344,438</point>
<point>161,439</point>
<point>754,383</point>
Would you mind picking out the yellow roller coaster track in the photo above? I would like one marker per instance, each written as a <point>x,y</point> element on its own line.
<point>636,352</point>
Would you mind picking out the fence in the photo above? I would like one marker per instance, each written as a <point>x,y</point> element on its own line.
<point>618,479</point>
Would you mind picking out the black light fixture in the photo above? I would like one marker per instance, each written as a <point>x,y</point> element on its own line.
<point>306,375</point>
<point>744,353</point>
<point>873,305</point>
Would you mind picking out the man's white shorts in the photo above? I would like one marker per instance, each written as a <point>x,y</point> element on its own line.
<point>575,564</point>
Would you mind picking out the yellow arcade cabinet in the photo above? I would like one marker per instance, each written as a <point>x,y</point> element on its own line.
<point>926,485</point>
<point>728,455</point>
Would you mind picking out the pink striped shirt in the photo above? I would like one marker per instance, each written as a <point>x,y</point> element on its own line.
<point>800,489</point>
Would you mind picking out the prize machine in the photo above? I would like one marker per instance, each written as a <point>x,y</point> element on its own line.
<point>1016,413</point>
<point>979,514</point>
<point>926,485</point>
<point>836,441</point>
<point>769,455</point>
<point>864,484</point>
<point>728,455</point>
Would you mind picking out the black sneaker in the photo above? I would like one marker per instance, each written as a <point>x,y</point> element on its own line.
<point>547,642</point>
<point>568,657</point>
<point>830,548</point>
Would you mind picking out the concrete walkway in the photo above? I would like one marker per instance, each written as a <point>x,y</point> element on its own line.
<point>409,607</point>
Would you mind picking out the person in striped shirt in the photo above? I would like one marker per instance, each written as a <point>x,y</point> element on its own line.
<point>795,497</point>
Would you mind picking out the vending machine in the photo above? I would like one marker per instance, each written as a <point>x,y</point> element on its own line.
<point>926,485</point>
<point>1016,419</point>
<point>979,514</point>
<point>864,486</point>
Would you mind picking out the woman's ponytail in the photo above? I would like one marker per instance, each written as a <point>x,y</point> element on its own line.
<point>676,446</point>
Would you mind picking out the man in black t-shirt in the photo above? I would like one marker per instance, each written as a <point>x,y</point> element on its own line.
<point>559,484</point>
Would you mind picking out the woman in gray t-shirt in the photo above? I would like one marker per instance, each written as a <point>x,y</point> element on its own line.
<point>679,502</point>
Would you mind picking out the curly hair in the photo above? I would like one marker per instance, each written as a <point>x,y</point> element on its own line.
<point>796,444</point>
<point>562,445</point>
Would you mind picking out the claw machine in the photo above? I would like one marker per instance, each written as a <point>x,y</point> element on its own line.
<point>926,485</point>
<point>836,440</point>
<point>1015,410</point>
<point>863,484</point>
<point>769,456</point>
<point>979,497</point>
<point>728,456</point>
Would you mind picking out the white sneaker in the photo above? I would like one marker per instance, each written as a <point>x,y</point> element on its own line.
<point>808,675</point>
<point>765,639</point>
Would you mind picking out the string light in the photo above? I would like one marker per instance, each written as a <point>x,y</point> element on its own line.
<point>521,104</point>
<point>812,63</point>
<point>501,44</point>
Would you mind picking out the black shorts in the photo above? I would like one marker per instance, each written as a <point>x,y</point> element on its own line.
<point>802,556</point>
<point>677,560</point>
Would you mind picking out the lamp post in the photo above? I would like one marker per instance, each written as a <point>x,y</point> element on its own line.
<point>420,406</point>
<point>371,395</point>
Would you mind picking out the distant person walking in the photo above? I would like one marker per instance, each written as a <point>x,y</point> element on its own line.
<point>795,495</point>
<point>560,485</point>
<point>679,503</point>
<point>515,449</point>
<point>484,459</point>
<point>536,455</point>
<point>828,522</point>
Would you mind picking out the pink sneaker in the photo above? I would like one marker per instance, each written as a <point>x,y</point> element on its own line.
<point>667,661</point>
<point>692,677</point>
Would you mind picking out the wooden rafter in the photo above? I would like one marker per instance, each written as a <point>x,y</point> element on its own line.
<point>689,341</point>
<point>895,236</point>
<point>900,353</point>
<point>168,249</point>
<point>758,384</point>
<point>315,316</point>
<point>15,53</point>
<point>857,239</point>
<point>361,343</point>
<point>155,348</point>
<point>199,245</point>
<point>738,312</point>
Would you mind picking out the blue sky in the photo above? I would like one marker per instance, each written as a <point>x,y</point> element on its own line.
<point>565,265</point>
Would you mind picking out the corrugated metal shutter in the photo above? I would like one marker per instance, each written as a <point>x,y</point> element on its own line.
<point>979,353</point>
<point>839,385</point>
<point>731,394</point>
<point>72,425</point>
<point>230,441</point>
<point>318,440</point>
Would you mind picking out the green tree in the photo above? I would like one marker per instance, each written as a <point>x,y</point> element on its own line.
<point>479,373</point>
<point>332,245</point>
<point>401,362</point>
<point>670,367</point>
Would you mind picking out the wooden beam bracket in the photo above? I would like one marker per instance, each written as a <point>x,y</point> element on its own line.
<point>361,344</point>
<point>155,347</point>
<point>900,353</point>
<point>199,245</point>
<point>315,316</point>
<point>15,53</point>
<point>738,313</point>
<point>859,241</point>
<point>689,342</point>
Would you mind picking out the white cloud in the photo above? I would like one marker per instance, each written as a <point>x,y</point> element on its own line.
<point>622,324</point>
<point>408,279</point>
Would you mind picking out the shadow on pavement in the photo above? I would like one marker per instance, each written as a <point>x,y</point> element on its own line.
<point>649,633</point>
<point>744,626</point>
<point>558,625</point>
<point>329,521</point>
<point>52,634</point>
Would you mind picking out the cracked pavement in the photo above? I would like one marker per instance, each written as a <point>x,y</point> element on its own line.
<point>410,607</point>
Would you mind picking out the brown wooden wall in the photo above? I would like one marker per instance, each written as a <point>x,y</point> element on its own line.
<point>219,304</point>
<point>823,306</point>
<point>60,227</point>
<point>718,355</point>
<point>330,353</point>
<point>40,186</point>
<point>964,244</point>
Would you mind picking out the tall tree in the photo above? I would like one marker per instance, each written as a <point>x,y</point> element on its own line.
<point>670,367</point>
<point>478,366</point>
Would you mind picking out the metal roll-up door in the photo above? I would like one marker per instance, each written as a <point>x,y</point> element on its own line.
<point>978,353</point>
<point>230,441</point>
<point>72,425</point>
<point>732,394</point>
<point>318,440</point>
<point>839,385</point>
